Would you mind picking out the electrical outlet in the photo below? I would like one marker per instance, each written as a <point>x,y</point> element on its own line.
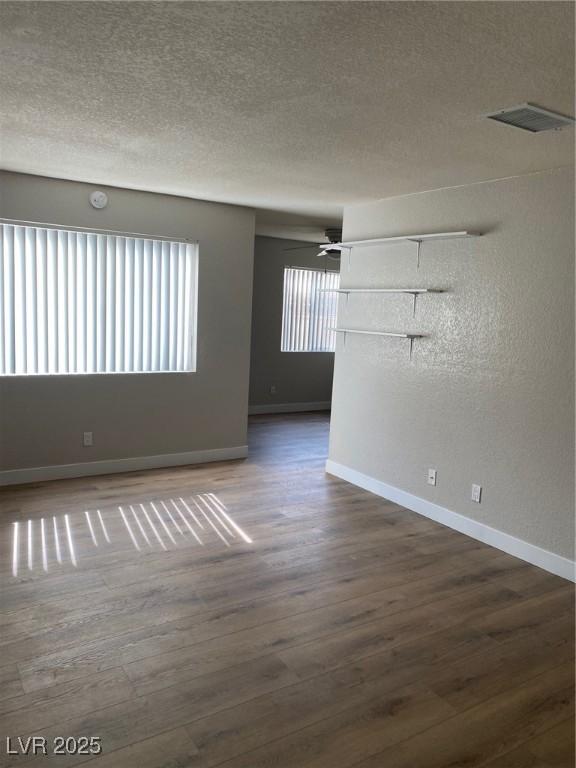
<point>476,494</point>
<point>87,439</point>
<point>273,389</point>
<point>431,477</point>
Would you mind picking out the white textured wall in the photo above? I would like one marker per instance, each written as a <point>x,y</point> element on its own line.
<point>299,377</point>
<point>489,397</point>
<point>42,418</point>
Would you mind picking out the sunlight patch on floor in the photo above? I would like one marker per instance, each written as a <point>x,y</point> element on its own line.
<point>42,545</point>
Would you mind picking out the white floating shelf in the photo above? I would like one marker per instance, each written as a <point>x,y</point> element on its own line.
<point>393,334</point>
<point>381,290</point>
<point>380,333</point>
<point>414,292</point>
<point>411,238</point>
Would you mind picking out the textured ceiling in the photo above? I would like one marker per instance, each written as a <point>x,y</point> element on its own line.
<point>285,106</point>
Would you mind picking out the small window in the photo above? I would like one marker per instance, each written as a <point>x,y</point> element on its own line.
<point>309,311</point>
<point>79,302</point>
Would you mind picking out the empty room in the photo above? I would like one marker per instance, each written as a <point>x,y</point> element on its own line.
<point>287,386</point>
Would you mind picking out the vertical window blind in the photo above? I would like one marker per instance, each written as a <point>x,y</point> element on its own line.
<point>308,314</point>
<point>79,302</point>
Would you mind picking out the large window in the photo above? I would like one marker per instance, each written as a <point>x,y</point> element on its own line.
<point>309,310</point>
<point>80,302</point>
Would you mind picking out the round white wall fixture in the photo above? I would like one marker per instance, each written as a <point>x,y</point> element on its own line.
<point>98,199</point>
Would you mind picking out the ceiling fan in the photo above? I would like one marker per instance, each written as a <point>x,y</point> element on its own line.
<point>329,249</point>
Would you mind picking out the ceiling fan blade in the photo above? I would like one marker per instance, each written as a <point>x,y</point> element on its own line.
<point>302,247</point>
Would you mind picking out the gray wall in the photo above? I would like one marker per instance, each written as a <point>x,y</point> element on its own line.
<point>42,418</point>
<point>489,397</point>
<point>299,377</point>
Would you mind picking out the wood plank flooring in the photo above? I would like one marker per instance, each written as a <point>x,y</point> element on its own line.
<point>261,613</point>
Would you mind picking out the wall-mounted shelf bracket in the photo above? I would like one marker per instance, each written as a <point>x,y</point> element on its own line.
<point>418,247</point>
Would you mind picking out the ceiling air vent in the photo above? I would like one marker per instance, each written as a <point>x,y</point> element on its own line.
<point>531,118</point>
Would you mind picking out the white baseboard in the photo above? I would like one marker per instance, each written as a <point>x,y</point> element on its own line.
<point>556,564</point>
<point>113,466</point>
<point>289,407</point>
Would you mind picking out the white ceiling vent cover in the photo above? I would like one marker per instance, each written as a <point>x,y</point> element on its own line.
<point>531,118</point>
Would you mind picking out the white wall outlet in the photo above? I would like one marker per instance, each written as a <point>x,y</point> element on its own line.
<point>431,477</point>
<point>476,494</point>
<point>273,389</point>
<point>87,439</point>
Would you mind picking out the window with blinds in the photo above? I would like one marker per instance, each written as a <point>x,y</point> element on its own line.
<point>309,310</point>
<point>79,302</point>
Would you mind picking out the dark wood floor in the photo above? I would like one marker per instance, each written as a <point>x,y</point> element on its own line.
<point>261,613</point>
